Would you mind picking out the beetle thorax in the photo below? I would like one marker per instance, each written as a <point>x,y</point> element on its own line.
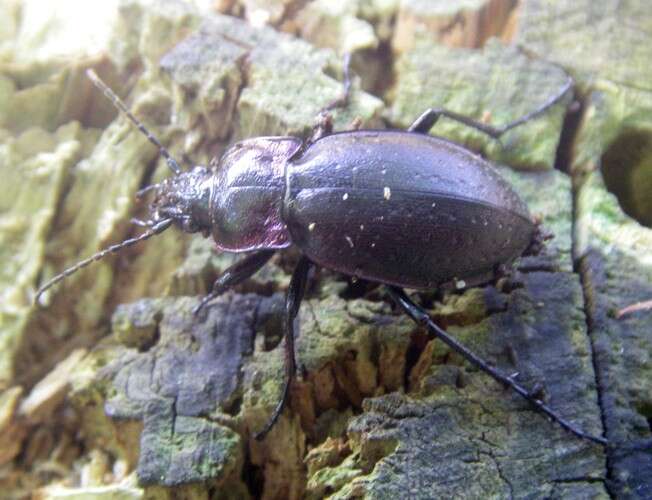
<point>185,199</point>
<point>247,200</point>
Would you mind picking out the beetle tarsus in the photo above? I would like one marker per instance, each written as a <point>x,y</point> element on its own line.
<point>293,299</point>
<point>539,392</point>
<point>416,313</point>
<point>234,275</point>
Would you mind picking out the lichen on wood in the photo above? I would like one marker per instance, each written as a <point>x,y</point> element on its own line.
<point>165,404</point>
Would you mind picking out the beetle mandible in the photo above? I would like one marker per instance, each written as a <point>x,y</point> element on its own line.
<point>401,208</point>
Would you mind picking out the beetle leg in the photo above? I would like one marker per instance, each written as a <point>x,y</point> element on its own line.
<point>421,317</point>
<point>343,100</point>
<point>235,274</point>
<point>356,123</point>
<point>293,299</point>
<point>428,118</point>
<point>324,124</point>
<point>323,128</point>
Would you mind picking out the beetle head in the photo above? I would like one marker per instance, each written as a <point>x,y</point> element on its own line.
<point>185,199</point>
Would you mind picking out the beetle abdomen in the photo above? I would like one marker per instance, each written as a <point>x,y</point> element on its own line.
<point>404,209</point>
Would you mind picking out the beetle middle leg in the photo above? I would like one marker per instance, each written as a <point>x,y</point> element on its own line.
<point>421,317</point>
<point>428,118</point>
<point>293,299</point>
<point>236,274</point>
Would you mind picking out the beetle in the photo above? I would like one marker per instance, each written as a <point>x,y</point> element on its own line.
<point>397,207</point>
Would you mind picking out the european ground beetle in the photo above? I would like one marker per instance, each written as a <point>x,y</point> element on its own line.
<point>401,208</point>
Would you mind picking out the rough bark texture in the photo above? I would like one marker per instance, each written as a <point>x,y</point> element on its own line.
<point>609,151</point>
<point>105,393</point>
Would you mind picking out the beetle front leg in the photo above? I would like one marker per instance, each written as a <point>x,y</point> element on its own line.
<point>322,128</point>
<point>293,299</point>
<point>324,125</point>
<point>236,274</point>
<point>421,317</point>
<point>343,100</point>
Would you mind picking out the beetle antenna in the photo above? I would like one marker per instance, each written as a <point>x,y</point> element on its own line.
<point>117,102</point>
<point>157,228</point>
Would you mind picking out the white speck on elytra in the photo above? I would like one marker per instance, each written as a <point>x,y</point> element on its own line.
<point>373,245</point>
<point>361,227</point>
<point>345,197</point>
<point>387,193</point>
<point>311,226</point>
<point>349,240</point>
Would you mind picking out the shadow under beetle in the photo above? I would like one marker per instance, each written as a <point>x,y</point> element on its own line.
<point>401,208</point>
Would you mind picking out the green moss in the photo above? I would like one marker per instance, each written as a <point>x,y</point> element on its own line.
<point>330,480</point>
<point>498,82</point>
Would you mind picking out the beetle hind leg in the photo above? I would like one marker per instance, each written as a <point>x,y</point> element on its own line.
<point>293,299</point>
<point>235,274</point>
<point>421,317</point>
